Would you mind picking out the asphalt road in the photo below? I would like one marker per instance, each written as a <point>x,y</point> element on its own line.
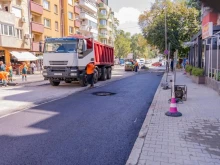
<point>81,129</point>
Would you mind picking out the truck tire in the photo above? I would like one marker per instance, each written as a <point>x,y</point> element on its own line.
<point>103,74</point>
<point>83,81</point>
<point>54,83</point>
<point>109,73</point>
<point>95,77</point>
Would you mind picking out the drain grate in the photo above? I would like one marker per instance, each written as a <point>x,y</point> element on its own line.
<point>103,93</point>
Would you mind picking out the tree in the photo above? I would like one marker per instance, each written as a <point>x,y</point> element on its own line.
<point>182,24</point>
<point>122,44</point>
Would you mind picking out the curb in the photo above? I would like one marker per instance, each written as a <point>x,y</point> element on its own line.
<point>138,145</point>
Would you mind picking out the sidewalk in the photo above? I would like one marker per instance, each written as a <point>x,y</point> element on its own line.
<point>193,139</point>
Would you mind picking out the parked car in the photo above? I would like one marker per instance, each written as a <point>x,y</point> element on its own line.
<point>157,64</point>
<point>129,66</point>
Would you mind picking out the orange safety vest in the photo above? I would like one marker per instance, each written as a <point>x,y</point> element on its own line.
<point>3,75</point>
<point>90,68</point>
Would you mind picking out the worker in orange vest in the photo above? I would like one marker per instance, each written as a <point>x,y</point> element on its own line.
<point>4,77</point>
<point>90,69</point>
<point>136,65</point>
<point>24,69</point>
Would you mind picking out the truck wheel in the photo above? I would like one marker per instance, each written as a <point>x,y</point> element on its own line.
<point>104,74</point>
<point>109,73</point>
<point>68,82</point>
<point>96,76</point>
<point>83,81</point>
<point>54,83</point>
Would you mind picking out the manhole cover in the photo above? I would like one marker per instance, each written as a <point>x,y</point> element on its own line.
<point>103,93</point>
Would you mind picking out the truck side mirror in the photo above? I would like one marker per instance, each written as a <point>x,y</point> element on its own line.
<point>84,45</point>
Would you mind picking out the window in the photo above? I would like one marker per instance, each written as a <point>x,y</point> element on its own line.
<point>103,12</point>
<point>46,4</point>
<point>104,41</point>
<point>70,2</point>
<point>56,26</point>
<point>70,15</point>
<point>46,22</point>
<point>55,9</point>
<point>71,30</point>
<point>16,11</point>
<point>19,33</point>
<point>7,30</point>
<point>93,24</point>
<point>103,22</point>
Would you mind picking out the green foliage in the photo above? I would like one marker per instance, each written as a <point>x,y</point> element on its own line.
<point>189,68</point>
<point>197,72</point>
<point>182,24</point>
<point>217,76</point>
<point>122,44</point>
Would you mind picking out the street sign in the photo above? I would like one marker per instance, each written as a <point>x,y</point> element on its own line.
<point>207,30</point>
<point>166,52</point>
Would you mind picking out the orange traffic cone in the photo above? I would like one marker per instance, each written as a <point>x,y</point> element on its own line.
<point>173,108</point>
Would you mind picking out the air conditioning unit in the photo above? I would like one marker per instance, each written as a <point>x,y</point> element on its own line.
<point>27,36</point>
<point>23,19</point>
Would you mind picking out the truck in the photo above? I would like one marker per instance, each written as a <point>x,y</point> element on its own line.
<point>66,58</point>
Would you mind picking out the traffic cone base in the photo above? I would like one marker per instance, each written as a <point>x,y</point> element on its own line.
<point>173,109</point>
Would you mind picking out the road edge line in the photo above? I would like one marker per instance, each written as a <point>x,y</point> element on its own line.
<point>139,143</point>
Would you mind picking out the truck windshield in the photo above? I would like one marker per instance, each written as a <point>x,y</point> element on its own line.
<point>61,47</point>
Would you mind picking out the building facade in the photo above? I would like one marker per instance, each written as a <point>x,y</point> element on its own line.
<point>106,22</point>
<point>24,25</point>
<point>14,28</point>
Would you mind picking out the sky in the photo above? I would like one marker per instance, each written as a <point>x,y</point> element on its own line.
<point>128,11</point>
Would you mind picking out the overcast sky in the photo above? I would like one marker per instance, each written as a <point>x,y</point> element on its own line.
<point>128,11</point>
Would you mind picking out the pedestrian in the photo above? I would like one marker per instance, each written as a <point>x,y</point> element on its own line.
<point>4,78</point>
<point>90,68</point>
<point>171,65</point>
<point>2,66</point>
<point>136,66</point>
<point>33,67</point>
<point>9,69</point>
<point>24,70</point>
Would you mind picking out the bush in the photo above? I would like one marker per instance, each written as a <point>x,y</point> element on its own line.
<point>197,72</point>
<point>189,68</point>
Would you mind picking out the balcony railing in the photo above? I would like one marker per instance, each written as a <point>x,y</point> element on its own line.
<point>103,35</point>
<point>89,5</point>
<point>37,27</point>
<point>102,16</point>
<point>7,17</point>
<point>77,23</point>
<point>37,8</point>
<point>76,9</point>
<point>103,26</point>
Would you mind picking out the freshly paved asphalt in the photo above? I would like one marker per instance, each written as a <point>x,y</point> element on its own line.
<point>81,129</point>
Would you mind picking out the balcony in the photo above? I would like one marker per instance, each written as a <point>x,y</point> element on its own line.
<point>35,47</point>
<point>88,5</point>
<point>103,26</point>
<point>77,23</point>
<point>9,41</point>
<point>7,17</point>
<point>37,27</point>
<point>76,10</point>
<point>88,29</point>
<point>103,35</point>
<point>104,6</point>
<point>102,16</point>
<point>36,8</point>
<point>85,15</point>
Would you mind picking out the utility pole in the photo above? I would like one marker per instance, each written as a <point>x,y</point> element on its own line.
<point>167,64</point>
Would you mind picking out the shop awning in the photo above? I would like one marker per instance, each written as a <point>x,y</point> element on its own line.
<point>24,56</point>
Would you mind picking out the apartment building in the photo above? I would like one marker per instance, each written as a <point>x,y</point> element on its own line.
<point>88,18</point>
<point>70,17</point>
<point>106,24</point>
<point>14,28</point>
<point>45,21</point>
